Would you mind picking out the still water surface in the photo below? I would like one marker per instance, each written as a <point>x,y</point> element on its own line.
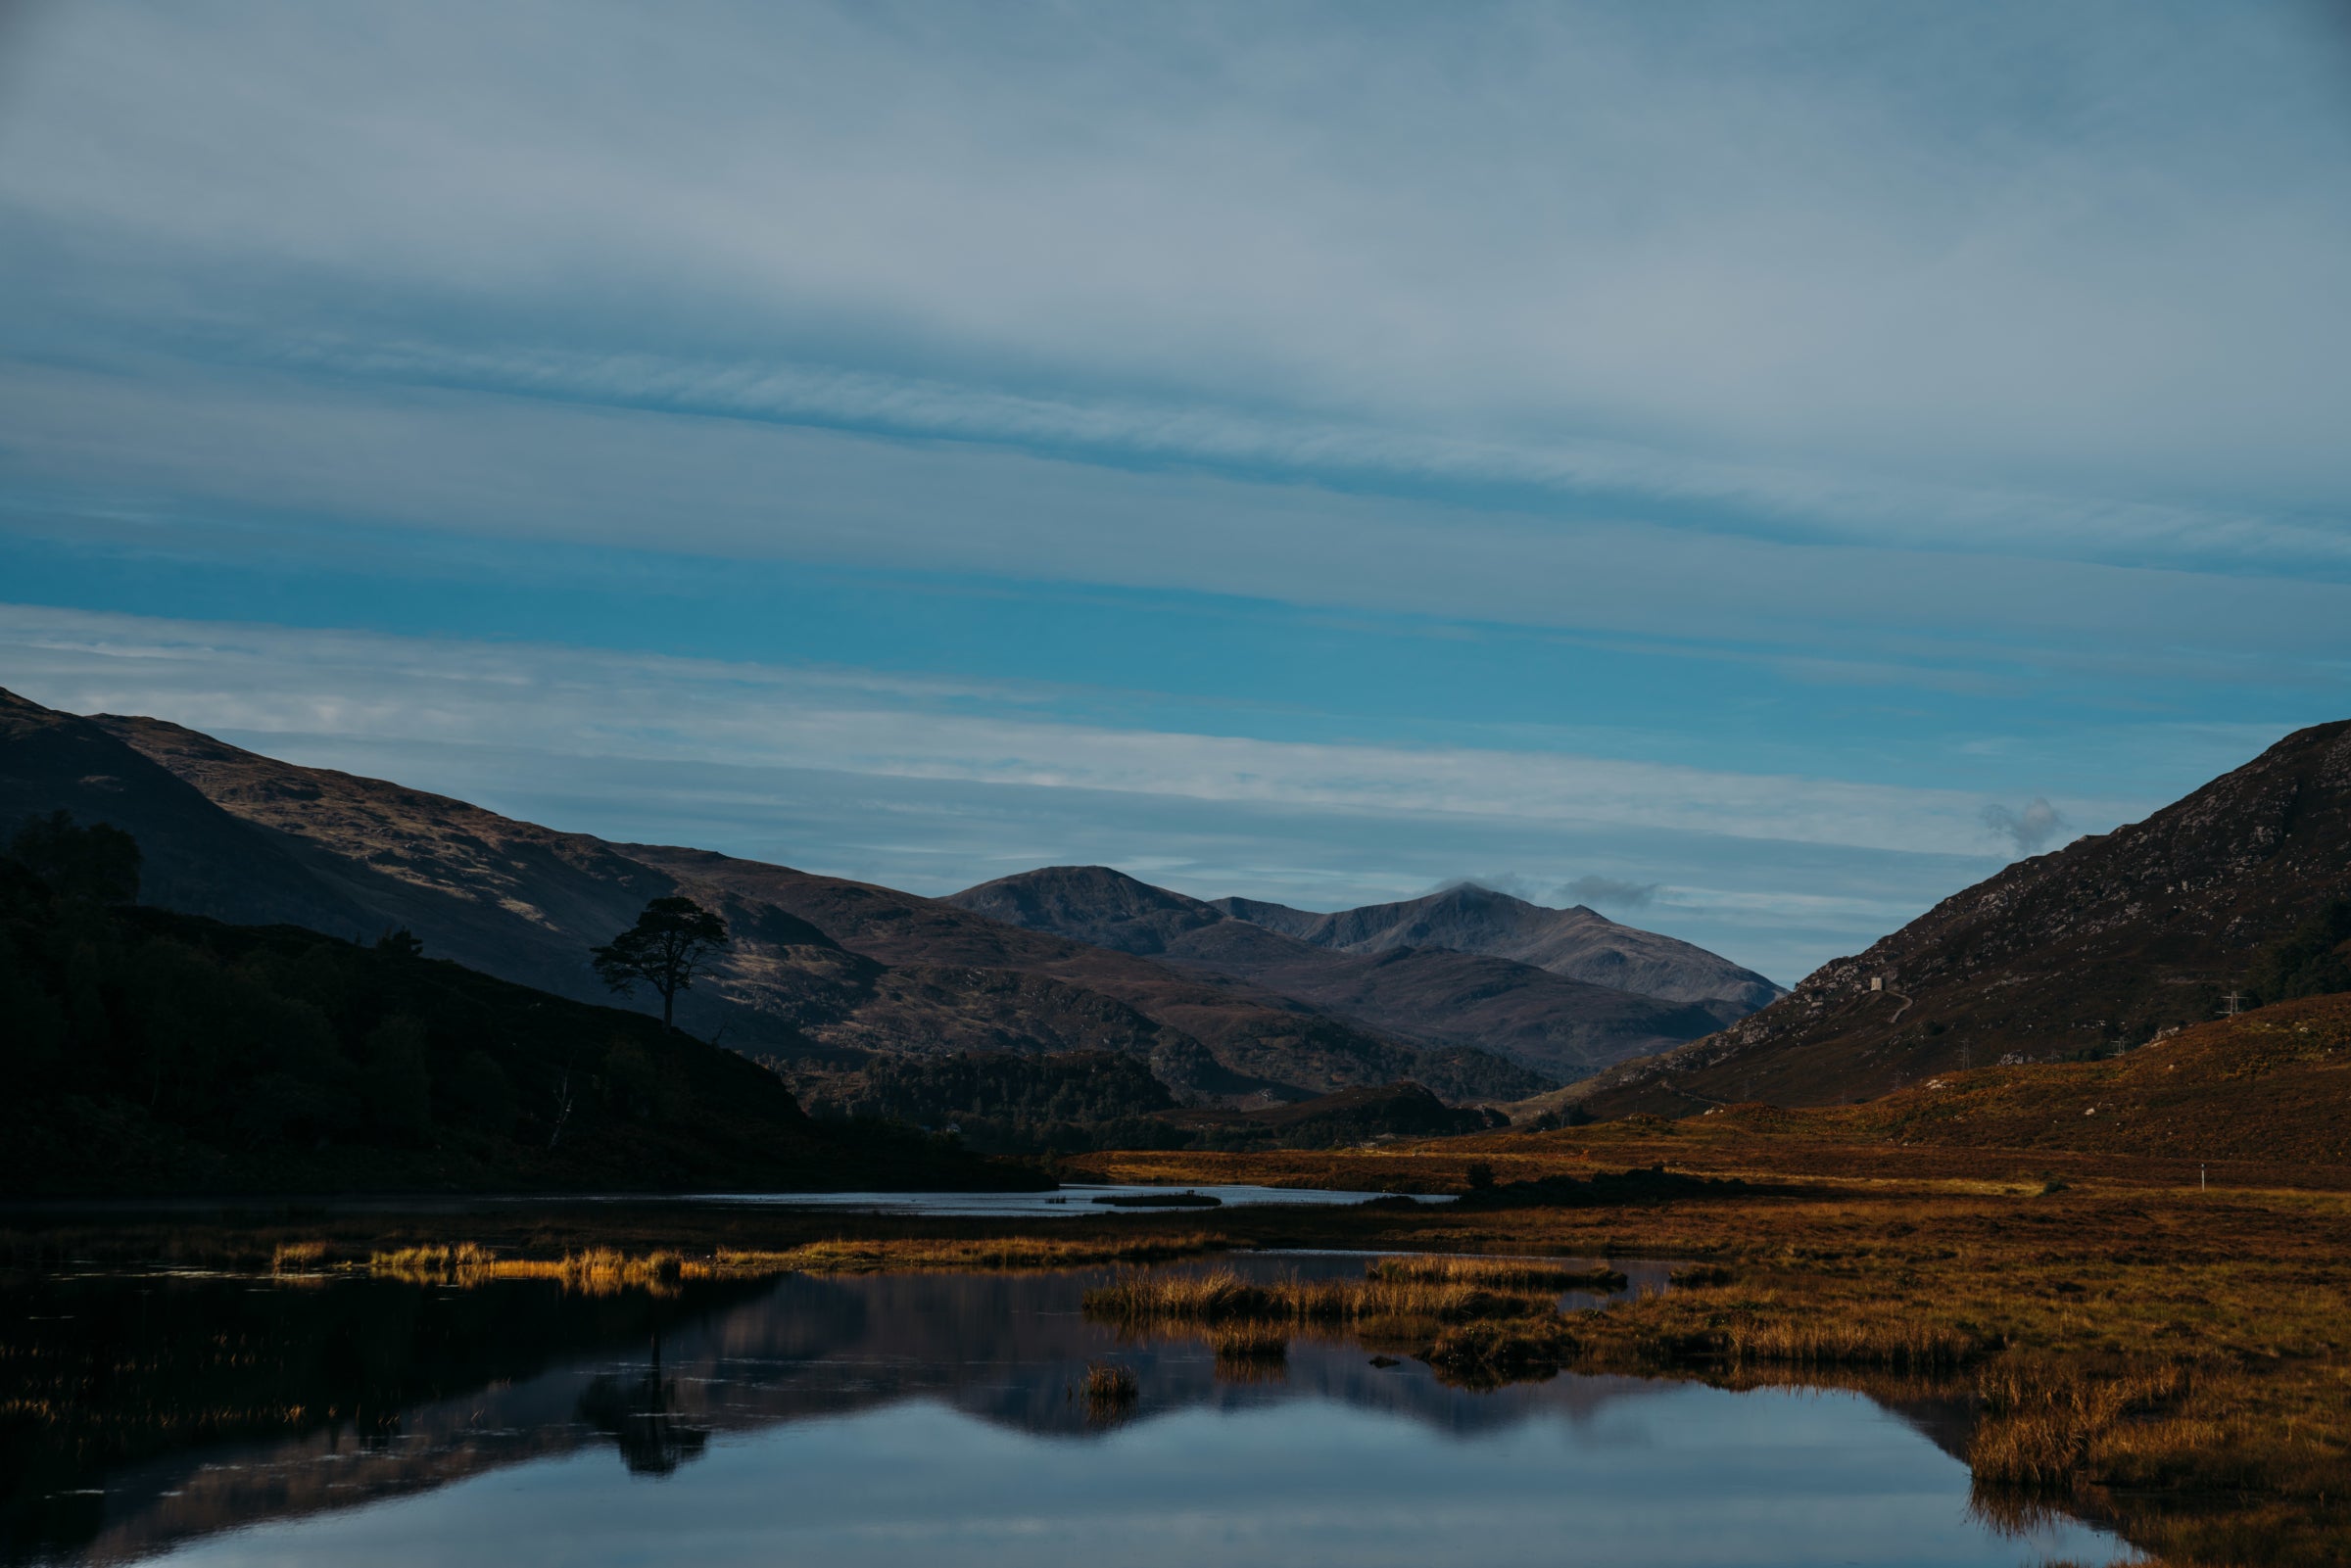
<point>934,1419</point>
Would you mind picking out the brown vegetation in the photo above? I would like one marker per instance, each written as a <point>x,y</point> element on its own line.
<point>1220,1296</point>
<point>2174,1359</point>
<point>604,1270</point>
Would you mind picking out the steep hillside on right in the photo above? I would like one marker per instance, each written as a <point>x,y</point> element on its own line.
<point>2089,951</point>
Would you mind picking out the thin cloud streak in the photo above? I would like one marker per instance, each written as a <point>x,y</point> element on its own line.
<point>1851,507</point>
<point>476,464</point>
<point>571,701</point>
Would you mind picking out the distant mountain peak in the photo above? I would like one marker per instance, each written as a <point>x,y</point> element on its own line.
<point>1579,943</point>
<point>1098,904</point>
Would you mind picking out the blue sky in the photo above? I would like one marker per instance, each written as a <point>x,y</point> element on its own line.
<point>1727,464</point>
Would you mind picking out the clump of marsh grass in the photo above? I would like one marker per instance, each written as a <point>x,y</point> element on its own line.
<point>1493,1273</point>
<point>1489,1354</point>
<point>2041,1417</point>
<point>1218,1296</point>
<point>296,1256</point>
<point>1851,1338</point>
<point>604,1271</point>
<point>997,1252</point>
<point>597,1271</point>
<point>1109,1388</point>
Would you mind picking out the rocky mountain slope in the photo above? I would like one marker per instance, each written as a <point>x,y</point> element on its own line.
<point>2088,951</point>
<point>1578,944</point>
<point>821,967</point>
<point>1433,996</point>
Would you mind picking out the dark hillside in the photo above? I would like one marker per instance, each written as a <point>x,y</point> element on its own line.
<point>152,1051</point>
<point>820,967</point>
<point>2089,951</point>
<point>198,858</point>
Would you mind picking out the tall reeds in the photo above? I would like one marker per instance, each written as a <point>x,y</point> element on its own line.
<point>602,1271</point>
<point>2041,1417</point>
<point>1221,1296</point>
<point>598,1271</point>
<point>1493,1273</point>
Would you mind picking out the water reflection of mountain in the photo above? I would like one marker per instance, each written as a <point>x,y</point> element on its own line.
<point>378,1390</point>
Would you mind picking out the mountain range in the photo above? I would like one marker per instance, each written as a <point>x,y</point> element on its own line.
<point>829,972</point>
<point>2096,949</point>
<point>1440,970</point>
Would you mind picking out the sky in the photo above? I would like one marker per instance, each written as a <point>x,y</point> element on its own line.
<point>1755,470</point>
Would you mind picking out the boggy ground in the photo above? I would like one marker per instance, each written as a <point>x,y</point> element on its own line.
<point>2174,1359</point>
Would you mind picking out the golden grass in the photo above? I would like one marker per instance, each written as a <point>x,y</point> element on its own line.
<point>296,1256</point>
<point>2172,1359</point>
<point>1794,1331</point>
<point>2043,1417</point>
<point>598,1271</point>
<point>604,1271</point>
<point>1493,1273</point>
<point>1220,1296</point>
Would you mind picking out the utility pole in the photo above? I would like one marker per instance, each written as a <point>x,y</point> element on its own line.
<point>2233,1004</point>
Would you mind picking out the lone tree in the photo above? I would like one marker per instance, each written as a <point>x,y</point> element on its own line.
<point>673,940</point>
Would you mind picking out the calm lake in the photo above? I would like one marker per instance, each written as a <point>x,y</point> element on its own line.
<point>897,1419</point>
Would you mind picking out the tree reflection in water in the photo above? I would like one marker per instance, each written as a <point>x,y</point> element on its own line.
<point>639,1414</point>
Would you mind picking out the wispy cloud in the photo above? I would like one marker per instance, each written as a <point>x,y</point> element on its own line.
<point>167,446</point>
<point>585,701</point>
<point>1853,507</point>
<point>1613,892</point>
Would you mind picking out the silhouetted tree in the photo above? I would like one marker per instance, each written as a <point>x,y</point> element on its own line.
<point>672,942</point>
<point>99,862</point>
